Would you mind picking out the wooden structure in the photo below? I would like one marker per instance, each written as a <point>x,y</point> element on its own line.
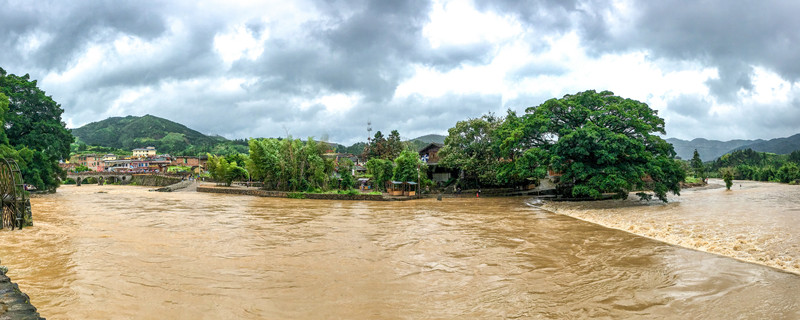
<point>394,188</point>
<point>410,189</point>
<point>16,211</point>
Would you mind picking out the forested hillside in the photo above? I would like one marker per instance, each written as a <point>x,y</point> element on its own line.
<point>777,146</point>
<point>167,136</point>
<point>708,149</point>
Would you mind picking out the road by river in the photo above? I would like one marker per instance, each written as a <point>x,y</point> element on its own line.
<point>121,252</point>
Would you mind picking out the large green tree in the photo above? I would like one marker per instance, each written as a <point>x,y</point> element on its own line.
<point>600,143</point>
<point>33,126</point>
<point>386,148</point>
<point>470,147</point>
<point>381,171</point>
<point>698,167</point>
<point>408,167</point>
<point>289,164</point>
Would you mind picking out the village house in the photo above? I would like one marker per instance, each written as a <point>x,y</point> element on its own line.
<point>67,165</point>
<point>187,161</point>
<point>144,152</point>
<point>118,165</point>
<point>430,156</point>
<point>92,161</point>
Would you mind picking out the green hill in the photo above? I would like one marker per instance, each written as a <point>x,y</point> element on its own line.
<point>131,132</point>
<point>431,138</point>
<point>713,149</point>
<point>708,149</point>
<point>777,146</point>
<point>424,141</point>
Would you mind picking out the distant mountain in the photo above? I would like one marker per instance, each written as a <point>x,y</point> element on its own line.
<point>713,149</point>
<point>708,149</point>
<point>778,145</point>
<point>431,138</point>
<point>423,141</point>
<point>167,136</point>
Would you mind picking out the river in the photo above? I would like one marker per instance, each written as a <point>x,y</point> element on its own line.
<point>754,221</point>
<point>121,252</point>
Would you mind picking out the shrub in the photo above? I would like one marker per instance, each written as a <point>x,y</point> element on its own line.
<point>296,195</point>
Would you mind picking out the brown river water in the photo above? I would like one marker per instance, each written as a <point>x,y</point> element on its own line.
<point>127,253</point>
<point>754,221</point>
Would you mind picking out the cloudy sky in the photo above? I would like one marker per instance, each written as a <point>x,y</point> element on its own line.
<point>714,69</point>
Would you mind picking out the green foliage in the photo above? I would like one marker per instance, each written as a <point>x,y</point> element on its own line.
<point>289,164</point>
<point>81,169</point>
<point>32,131</point>
<point>727,174</point>
<point>345,169</point>
<point>788,172</point>
<point>470,146</point>
<point>178,169</point>
<point>381,171</point>
<point>131,132</point>
<point>747,157</point>
<point>223,171</point>
<point>693,180</point>
<point>82,148</point>
<point>296,195</point>
<point>760,166</point>
<point>766,173</point>
<point>409,167</point>
<point>601,143</point>
<point>357,148</point>
<point>523,162</point>
<point>795,156</point>
<point>384,148</point>
<point>698,167</point>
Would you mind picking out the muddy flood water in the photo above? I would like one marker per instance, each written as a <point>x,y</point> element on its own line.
<point>114,252</point>
<point>754,221</point>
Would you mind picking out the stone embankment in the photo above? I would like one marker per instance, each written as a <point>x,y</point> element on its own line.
<point>150,180</point>
<point>14,304</point>
<point>176,186</point>
<point>282,194</point>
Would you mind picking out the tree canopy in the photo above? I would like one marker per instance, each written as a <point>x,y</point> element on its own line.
<point>697,166</point>
<point>289,164</point>
<point>599,143</point>
<point>33,129</point>
<point>602,143</point>
<point>471,147</point>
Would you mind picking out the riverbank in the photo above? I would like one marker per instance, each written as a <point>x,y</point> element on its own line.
<point>14,304</point>
<point>754,222</point>
<point>249,191</point>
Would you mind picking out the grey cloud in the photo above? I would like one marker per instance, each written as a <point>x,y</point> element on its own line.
<point>730,36</point>
<point>367,50</point>
<point>368,47</point>
<point>551,15</point>
<point>693,106</point>
<point>71,25</point>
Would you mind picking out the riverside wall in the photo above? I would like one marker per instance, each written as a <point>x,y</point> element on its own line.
<point>151,180</point>
<point>282,194</point>
<point>14,304</point>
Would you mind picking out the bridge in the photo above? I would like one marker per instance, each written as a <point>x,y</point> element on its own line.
<point>101,176</point>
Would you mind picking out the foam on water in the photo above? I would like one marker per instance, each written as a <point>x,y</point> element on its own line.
<point>755,221</point>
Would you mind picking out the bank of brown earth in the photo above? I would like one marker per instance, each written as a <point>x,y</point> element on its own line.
<point>714,226</point>
<point>14,304</point>
<point>282,194</point>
